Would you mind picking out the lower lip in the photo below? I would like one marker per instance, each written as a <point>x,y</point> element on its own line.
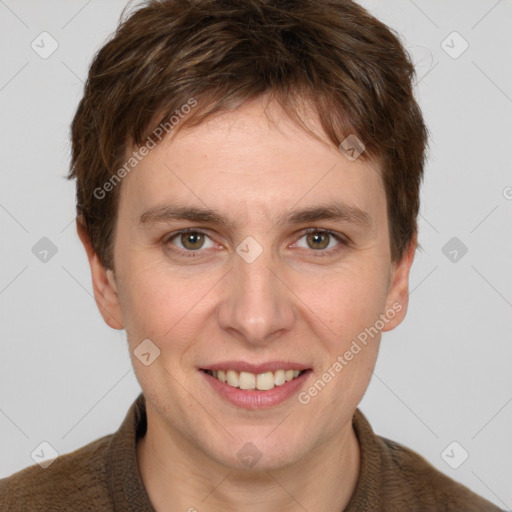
<point>254,399</point>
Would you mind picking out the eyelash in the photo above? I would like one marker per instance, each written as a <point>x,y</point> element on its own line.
<point>320,253</point>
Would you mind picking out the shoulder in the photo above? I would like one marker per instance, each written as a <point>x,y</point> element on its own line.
<point>420,486</point>
<point>73,481</point>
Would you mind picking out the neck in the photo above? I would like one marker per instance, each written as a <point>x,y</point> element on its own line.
<point>176,472</point>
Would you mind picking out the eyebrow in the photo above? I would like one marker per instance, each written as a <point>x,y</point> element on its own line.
<point>332,211</point>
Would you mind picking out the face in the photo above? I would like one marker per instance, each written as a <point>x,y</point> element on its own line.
<point>289,272</point>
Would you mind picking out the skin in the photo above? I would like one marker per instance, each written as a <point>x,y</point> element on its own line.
<point>291,303</point>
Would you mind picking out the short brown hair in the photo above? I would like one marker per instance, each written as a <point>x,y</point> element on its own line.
<point>350,67</point>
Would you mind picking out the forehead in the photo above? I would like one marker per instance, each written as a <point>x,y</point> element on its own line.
<point>249,162</point>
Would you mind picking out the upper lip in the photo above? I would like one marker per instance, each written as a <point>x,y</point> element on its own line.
<point>243,366</point>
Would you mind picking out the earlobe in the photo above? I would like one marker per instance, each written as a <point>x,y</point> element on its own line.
<point>103,281</point>
<point>398,294</point>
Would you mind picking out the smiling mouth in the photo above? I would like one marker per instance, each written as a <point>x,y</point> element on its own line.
<point>251,381</point>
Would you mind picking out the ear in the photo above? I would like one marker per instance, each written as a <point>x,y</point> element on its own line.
<point>104,286</point>
<point>398,293</point>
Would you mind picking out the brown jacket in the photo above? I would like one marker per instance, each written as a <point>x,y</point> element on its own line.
<point>104,476</point>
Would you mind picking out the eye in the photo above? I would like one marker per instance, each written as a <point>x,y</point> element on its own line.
<point>322,241</point>
<point>188,241</point>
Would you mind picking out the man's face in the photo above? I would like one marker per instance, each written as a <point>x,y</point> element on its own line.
<point>254,289</point>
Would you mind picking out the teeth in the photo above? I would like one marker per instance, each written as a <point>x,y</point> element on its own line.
<point>261,381</point>
<point>279,378</point>
<point>246,380</point>
<point>232,378</point>
<point>265,381</point>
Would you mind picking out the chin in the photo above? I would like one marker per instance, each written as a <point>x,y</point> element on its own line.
<point>259,453</point>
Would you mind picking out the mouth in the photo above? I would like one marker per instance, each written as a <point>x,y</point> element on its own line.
<point>252,385</point>
<point>255,381</point>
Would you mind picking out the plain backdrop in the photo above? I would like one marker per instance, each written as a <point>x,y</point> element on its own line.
<point>443,376</point>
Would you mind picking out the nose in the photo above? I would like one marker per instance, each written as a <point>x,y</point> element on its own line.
<point>257,306</point>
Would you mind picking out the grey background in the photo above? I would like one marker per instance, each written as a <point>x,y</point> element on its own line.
<point>443,375</point>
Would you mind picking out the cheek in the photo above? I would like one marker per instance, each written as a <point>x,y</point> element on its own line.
<point>344,313</point>
<point>158,302</point>
<point>346,301</point>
